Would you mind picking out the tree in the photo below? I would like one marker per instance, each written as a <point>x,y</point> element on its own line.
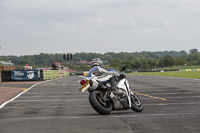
<point>152,63</point>
<point>180,61</point>
<point>145,64</point>
<point>136,65</point>
<point>115,63</point>
<point>84,67</point>
<point>23,62</point>
<point>193,57</point>
<point>128,64</point>
<point>198,61</point>
<point>107,57</point>
<point>193,51</point>
<point>167,61</point>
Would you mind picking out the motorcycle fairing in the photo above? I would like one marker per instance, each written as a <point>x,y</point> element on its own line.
<point>123,84</point>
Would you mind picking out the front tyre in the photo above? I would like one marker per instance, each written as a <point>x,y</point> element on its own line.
<point>97,102</point>
<point>136,103</point>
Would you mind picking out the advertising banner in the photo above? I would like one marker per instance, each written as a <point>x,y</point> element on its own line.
<point>24,75</point>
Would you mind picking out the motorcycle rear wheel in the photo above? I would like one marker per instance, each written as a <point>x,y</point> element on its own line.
<point>136,103</point>
<point>99,105</point>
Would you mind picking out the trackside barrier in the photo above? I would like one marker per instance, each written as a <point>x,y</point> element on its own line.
<point>66,73</point>
<point>32,75</point>
<point>24,75</point>
<point>187,70</point>
<point>51,74</point>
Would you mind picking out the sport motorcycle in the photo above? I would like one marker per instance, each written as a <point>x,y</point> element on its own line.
<point>103,99</point>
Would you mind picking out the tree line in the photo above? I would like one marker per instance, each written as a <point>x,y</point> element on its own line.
<point>136,61</point>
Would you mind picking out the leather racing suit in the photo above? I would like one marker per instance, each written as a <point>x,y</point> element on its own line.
<point>105,75</point>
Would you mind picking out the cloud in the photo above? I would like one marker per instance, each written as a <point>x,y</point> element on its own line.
<point>135,24</point>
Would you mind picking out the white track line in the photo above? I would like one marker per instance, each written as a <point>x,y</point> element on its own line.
<point>58,100</point>
<point>89,106</point>
<point>102,116</point>
<point>4,104</point>
<point>29,107</point>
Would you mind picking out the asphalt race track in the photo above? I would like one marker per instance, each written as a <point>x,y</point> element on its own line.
<point>171,105</point>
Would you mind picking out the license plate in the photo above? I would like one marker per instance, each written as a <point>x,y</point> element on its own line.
<point>85,86</point>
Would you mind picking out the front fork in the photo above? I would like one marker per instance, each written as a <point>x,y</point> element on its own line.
<point>129,97</point>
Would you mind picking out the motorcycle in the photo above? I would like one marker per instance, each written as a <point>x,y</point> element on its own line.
<point>104,100</point>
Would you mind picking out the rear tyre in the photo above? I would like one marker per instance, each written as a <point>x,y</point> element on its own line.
<point>136,103</point>
<point>99,105</point>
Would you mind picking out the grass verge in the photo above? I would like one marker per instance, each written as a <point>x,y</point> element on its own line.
<point>191,74</point>
<point>179,67</point>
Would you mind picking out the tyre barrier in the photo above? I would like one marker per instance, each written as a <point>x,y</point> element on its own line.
<point>51,74</point>
<point>66,73</point>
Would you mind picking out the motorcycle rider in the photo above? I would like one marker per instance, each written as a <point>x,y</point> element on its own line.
<point>104,75</point>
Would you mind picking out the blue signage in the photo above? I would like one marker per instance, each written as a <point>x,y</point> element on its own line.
<point>24,75</point>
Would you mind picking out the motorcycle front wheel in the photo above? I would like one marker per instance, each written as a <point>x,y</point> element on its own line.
<point>99,105</point>
<point>136,103</point>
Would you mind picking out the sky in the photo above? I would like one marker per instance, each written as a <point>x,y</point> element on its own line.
<point>29,27</point>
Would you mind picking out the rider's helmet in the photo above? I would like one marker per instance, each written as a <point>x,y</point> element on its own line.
<point>97,62</point>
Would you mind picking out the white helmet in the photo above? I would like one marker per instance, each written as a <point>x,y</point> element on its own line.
<point>97,62</point>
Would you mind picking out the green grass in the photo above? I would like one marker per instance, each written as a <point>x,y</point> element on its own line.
<point>191,74</point>
<point>179,67</point>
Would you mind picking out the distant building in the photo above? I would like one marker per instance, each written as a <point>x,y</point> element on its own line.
<point>83,62</point>
<point>88,62</point>
<point>6,66</point>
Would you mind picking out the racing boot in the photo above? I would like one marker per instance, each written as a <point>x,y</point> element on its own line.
<point>113,83</point>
